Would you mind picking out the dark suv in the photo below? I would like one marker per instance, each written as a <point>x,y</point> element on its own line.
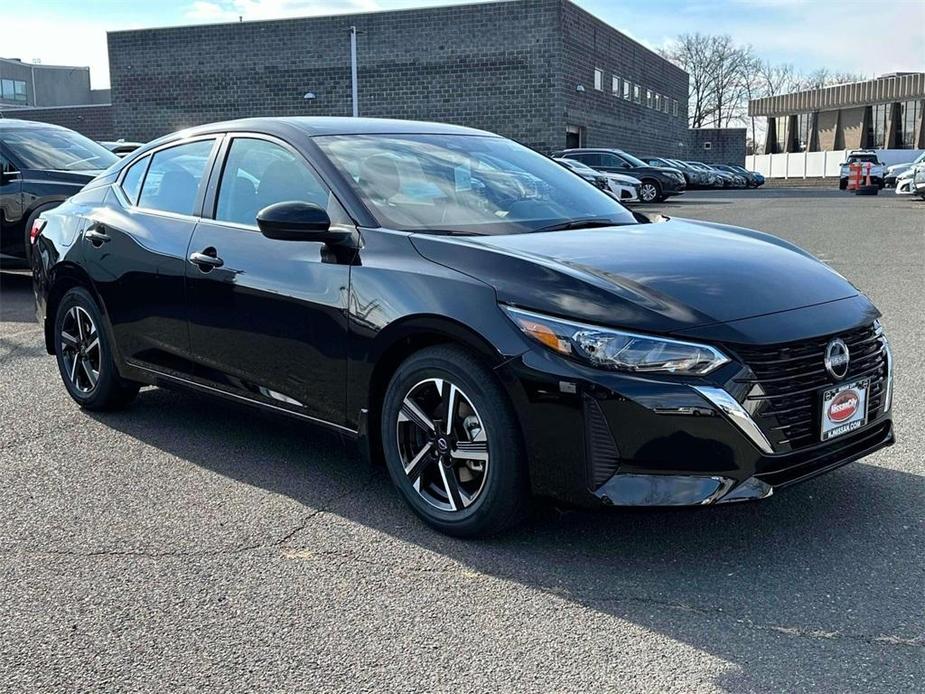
<point>658,182</point>
<point>41,165</point>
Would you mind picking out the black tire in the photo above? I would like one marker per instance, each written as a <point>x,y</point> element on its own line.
<point>108,391</point>
<point>842,184</point>
<point>503,498</point>
<point>650,185</point>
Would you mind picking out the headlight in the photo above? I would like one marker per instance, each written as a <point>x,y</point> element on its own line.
<point>607,348</point>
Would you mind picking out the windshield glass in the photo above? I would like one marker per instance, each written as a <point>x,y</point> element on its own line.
<point>465,184</point>
<point>57,150</point>
<point>635,161</point>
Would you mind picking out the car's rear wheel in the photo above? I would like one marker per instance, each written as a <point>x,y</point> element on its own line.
<point>650,191</point>
<point>85,357</point>
<point>452,445</point>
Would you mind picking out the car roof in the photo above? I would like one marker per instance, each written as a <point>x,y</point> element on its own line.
<point>18,124</point>
<point>333,125</point>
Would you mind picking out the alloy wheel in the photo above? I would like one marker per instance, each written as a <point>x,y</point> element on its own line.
<point>648,192</point>
<point>443,444</point>
<point>80,350</point>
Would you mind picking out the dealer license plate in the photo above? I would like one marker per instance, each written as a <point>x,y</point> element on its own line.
<point>844,409</point>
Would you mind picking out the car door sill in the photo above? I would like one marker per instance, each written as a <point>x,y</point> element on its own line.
<point>243,398</point>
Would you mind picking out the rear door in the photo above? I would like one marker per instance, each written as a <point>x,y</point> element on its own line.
<point>268,317</point>
<point>135,249</point>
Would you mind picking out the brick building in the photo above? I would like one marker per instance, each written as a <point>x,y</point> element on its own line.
<point>543,72</point>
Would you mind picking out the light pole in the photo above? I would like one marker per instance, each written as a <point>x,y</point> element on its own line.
<point>353,71</point>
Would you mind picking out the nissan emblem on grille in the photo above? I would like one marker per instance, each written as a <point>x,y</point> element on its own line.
<point>836,358</point>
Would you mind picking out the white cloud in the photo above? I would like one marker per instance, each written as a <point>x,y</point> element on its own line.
<point>231,10</point>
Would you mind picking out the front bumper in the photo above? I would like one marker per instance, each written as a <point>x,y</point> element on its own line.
<point>603,438</point>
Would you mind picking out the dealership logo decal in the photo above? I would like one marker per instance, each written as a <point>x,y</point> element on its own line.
<point>836,358</point>
<point>843,406</point>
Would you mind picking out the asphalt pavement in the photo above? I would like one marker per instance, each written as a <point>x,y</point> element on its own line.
<point>185,544</point>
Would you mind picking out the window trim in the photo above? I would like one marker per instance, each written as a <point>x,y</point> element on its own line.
<point>210,203</point>
<point>217,139</point>
<point>598,79</point>
<point>124,173</point>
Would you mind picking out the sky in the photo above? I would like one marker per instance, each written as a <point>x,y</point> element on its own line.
<point>859,36</point>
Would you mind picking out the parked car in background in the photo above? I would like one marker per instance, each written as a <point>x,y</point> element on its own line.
<point>905,182</point>
<point>378,278</point>
<point>624,188</point>
<point>41,165</point>
<point>723,179</point>
<point>658,182</point>
<point>751,179</point>
<point>862,156</point>
<point>756,177</point>
<point>918,180</point>
<point>894,171</point>
<point>696,178</point>
<point>596,178</point>
<point>120,147</point>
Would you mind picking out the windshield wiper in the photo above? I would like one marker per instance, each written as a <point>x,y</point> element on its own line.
<point>579,224</point>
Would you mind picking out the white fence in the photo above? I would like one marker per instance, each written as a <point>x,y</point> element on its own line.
<point>817,164</point>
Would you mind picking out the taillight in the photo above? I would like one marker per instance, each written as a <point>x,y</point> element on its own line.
<point>36,229</point>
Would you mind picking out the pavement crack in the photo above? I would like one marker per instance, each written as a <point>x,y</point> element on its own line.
<point>324,508</point>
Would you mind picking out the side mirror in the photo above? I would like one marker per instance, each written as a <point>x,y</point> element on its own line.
<point>299,221</point>
<point>8,176</point>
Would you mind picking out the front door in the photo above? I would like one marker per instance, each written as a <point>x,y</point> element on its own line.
<point>267,317</point>
<point>11,208</point>
<point>135,249</point>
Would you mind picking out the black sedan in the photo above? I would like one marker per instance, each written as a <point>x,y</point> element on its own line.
<point>658,182</point>
<point>40,166</point>
<point>486,322</point>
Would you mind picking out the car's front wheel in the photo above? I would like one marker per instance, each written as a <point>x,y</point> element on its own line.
<point>650,191</point>
<point>85,357</point>
<point>452,444</point>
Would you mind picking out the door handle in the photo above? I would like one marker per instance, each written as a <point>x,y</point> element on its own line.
<point>96,235</point>
<point>206,259</point>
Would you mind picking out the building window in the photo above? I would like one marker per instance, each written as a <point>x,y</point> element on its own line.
<point>876,135</point>
<point>637,93</point>
<point>598,80</point>
<point>648,98</point>
<point>615,85</point>
<point>658,102</point>
<point>665,104</point>
<point>909,114</point>
<point>627,90</point>
<point>13,90</point>
<point>674,107</point>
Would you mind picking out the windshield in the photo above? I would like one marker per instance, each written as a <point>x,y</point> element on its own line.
<point>635,161</point>
<point>467,184</point>
<point>57,150</point>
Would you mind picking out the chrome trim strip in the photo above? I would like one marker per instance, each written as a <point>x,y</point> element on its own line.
<point>737,415</point>
<point>888,396</point>
<point>251,401</point>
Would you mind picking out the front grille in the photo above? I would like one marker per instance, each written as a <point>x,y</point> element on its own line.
<point>786,381</point>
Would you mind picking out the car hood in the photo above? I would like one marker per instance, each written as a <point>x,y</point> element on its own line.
<point>663,277</point>
<point>664,170</point>
<point>622,178</point>
<point>898,168</point>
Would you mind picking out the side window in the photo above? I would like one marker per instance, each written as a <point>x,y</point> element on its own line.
<point>258,173</point>
<point>592,159</point>
<point>611,161</point>
<point>131,182</point>
<point>174,176</point>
